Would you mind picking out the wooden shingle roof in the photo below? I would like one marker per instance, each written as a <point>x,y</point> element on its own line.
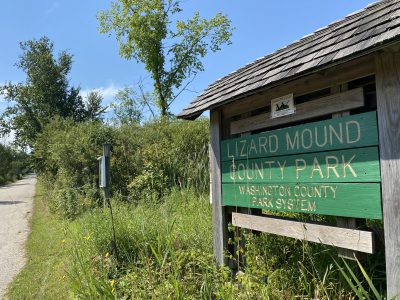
<point>359,33</point>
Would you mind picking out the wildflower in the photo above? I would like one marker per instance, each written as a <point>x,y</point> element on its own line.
<point>107,255</point>
<point>112,282</point>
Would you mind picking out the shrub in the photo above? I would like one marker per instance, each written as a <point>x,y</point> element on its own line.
<point>13,164</point>
<point>165,252</point>
<point>172,154</point>
<point>147,161</point>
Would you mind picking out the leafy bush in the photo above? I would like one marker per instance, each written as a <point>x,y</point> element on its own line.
<point>13,164</point>
<point>165,252</point>
<point>173,154</point>
<point>146,162</point>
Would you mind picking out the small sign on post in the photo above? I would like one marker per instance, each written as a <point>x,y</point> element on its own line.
<point>102,172</point>
<point>104,182</point>
<point>105,170</point>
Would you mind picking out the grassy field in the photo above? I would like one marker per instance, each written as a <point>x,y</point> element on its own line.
<point>48,257</point>
<point>165,252</point>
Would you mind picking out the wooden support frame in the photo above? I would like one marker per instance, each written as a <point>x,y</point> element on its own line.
<point>219,223</point>
<point>334,236</point>
<point>324,106</point>
<point>388,108</point>
<point>343,221</point>
<point>385,65</point>
<point>357,68</point>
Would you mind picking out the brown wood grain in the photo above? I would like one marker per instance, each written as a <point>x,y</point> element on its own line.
<point>307,110</point>
<point>311,54</point>
<point>352,70</point>
<point>388,102</point>
<point>343,221</point>
<point>334,236</point>
<point>219,228</point>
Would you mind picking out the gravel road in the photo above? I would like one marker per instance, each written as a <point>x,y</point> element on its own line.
<point>15,210</point>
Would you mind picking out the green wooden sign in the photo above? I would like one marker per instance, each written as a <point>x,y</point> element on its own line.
<point>339,133</point>
<point>352,165</point>
<point>329,167</point>
<point>358,200</point>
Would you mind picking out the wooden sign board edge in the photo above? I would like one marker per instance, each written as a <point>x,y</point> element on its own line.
<point>323,106</point>
<point>357,240</point>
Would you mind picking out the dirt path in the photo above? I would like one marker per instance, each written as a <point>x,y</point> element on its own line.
<point>15,209</point>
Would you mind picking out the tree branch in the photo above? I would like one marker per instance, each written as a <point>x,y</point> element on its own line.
<point>180,92</point>
<point>145,101</point>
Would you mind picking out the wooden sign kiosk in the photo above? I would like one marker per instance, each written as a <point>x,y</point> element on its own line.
<point>313,128</point>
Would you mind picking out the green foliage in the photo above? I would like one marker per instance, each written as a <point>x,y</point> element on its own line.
<point>70,150</point>
<point>179,150</point>
<point>164,231</point>
<point>165,249</point>
<point>357,285</point>
<point>128,107</point>
<point>70,202</point>
<point>48,259</point>
<point>13,164</point>
<point>146,162</point>
<point>66,153</point>
<point>44,95</point>
<point>166,252</point>
<point>94,109</point>
<point>171,54</point>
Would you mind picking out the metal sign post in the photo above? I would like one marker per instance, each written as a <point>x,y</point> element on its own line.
<point>104,182</point>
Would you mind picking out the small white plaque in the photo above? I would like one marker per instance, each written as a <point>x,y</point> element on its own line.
<point>102,171</point>
<point>282,106</point>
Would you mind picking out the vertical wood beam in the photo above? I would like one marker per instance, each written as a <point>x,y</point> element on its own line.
<point>344,222</point>
<point>388,107</point>
<point>219,228</point>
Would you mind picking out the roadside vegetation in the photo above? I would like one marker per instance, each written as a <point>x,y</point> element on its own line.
<point>45,275</point>
<point>14,164</point>
<point>159,182</point>
<point>163,226</point>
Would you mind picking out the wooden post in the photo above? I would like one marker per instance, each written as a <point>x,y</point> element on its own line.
<point>107,194</point>
<point>219,223</point>
<point>388,107</point>
<point>344,222</point>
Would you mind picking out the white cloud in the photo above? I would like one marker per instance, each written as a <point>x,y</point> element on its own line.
<point>107,92</point>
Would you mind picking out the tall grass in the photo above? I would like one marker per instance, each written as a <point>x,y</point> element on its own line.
<point>165,252</point>
<point>163,222</point>
<point>169,244</point>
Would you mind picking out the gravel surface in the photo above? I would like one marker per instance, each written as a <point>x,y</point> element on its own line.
<point>15,210</point>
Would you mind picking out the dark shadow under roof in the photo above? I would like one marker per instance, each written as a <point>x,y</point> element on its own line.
<point>358,33</point>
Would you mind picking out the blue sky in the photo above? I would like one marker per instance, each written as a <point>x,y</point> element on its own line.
<point>262,26</point>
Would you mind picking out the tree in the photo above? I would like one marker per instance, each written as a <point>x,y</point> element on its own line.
<point>130,107</point>
<point>126,108</point>
<point>143,29</point>
<point>94,109</point>
<point>46,93</point>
